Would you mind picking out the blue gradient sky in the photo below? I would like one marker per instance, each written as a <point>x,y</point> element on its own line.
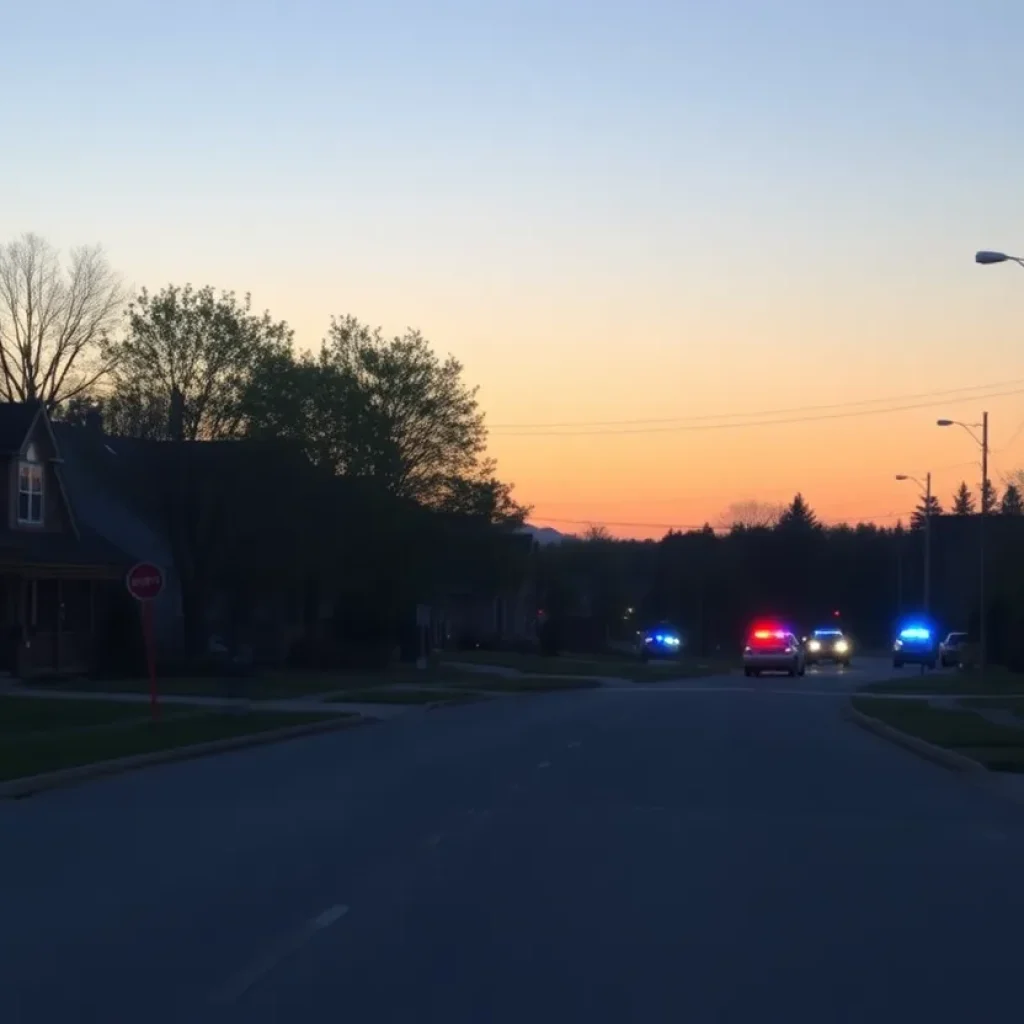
<point>606,210</point>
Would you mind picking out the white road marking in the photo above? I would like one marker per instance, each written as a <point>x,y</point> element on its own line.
<point>544,764</point>
<point>258,969</point>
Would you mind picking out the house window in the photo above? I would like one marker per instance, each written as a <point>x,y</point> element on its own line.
<point>30,488</point>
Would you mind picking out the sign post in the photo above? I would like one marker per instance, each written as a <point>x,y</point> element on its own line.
<point>145,582</point>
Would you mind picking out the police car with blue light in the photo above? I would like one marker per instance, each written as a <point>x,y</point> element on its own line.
<point>915,644</point>
<point>661,641</point>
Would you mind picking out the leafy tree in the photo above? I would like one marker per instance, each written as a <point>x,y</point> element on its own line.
<point>412,421</point>
<point>989,497</point>
<point>486,497</point>
<point>389,409</point>
<point>797,515</point>
<point>930,506</point>
<point>963,501</point>
<point>196,344</point>
<point>54,321</point>
<point>1012,504</point>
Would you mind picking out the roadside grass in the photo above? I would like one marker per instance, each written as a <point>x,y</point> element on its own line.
<point>377,695</point>
<point>286,685</point>
<point>1013,705</point>
<point>997,682</point>
<point>26,716</point>
<point>594,666</point>
<point>62,747</point>
<point>998,747</point>
<point>526,683</point>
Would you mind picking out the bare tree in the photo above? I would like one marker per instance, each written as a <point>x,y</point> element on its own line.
<point>752,514</point>
<point>54,321</point>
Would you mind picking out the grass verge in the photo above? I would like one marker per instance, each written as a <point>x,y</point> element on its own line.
<point>268,686</point>
<point>377,695</point>
<point>998,747</point>
<point>527,683</point>
<point>595,666</point>
<point>39,751</point>
<point>27,716</point>
<point>994,682</point>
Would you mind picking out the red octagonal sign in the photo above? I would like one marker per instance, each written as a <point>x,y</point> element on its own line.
<point>145,581</point>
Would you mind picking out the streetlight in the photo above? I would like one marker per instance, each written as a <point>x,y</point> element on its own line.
<point>982,442</point>
<point>987,258</point>
<point>927,485</point>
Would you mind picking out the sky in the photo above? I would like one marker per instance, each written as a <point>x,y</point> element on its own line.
<point>689,214</point>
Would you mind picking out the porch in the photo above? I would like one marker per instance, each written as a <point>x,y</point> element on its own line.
<point>49,621</point>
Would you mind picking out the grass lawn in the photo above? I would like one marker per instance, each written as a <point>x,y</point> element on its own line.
<point>23,716</point>
<point>525,684</point>
<point>994,681</point>
<point>998,747</point>
<point>379,695</point>
<point>594,665</point>
<point>1015,705</point>
<point>42,749</point>
<point>265,686</point>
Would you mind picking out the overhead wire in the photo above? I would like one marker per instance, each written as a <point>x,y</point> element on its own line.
<point>696,427</point>
<point>684,421</point>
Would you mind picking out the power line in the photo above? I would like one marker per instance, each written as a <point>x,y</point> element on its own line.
<point>758,423</point>
<point>828,521</point>
<point>760,413</point>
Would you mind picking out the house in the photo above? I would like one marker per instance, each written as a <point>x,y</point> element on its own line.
<point>486,587</point>
<point>233,524</point>
<point>58,577</point>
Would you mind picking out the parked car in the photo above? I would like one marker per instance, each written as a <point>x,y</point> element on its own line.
<point>951,649</point>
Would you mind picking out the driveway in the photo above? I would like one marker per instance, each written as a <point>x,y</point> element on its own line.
<point>664,853</point>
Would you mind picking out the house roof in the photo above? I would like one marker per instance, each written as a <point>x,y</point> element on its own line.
<point>16,419</point>
<point>46,548</point>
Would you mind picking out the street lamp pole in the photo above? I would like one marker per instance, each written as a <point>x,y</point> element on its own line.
<point>985,501</point>
<point>982,443</point>
<point>928,544</point>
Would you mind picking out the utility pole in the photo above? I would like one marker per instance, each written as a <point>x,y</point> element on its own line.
<point>982,630</point>
<point>928,544</point>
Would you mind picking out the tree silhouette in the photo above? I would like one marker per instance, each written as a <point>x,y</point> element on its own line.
<point>963,501</point>
<point>797,515</point>
<point>1012,503</point>
<point>931,506</point>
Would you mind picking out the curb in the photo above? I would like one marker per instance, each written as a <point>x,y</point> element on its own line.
<point>929,751</point>
<point>31,784</point>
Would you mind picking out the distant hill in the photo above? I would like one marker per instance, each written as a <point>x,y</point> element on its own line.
<point>544,535</point>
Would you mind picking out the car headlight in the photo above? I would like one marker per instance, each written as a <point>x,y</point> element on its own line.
<point>896,646</point>
<point>814,645</point>
<point>842,646</point>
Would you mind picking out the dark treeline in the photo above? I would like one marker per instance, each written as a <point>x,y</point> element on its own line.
<point>782,562</point>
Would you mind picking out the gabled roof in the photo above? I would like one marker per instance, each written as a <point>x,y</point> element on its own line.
<point>16,420</point>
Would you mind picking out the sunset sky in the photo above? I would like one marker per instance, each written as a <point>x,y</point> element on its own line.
<point>681,213</point>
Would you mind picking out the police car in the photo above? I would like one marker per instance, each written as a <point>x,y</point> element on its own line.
<point>772,647</point>
<point>829,644</point>
<point>915,644</point>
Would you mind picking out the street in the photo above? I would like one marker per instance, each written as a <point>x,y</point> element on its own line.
<point>721,849</point>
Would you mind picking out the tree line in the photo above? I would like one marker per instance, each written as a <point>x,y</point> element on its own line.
<point>767,560</point>
<point>192,363</point>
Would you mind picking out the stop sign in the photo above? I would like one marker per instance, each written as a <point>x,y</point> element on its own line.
<point>144,581</point>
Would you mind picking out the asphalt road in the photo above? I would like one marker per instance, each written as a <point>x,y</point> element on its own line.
<point>706,851</point>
